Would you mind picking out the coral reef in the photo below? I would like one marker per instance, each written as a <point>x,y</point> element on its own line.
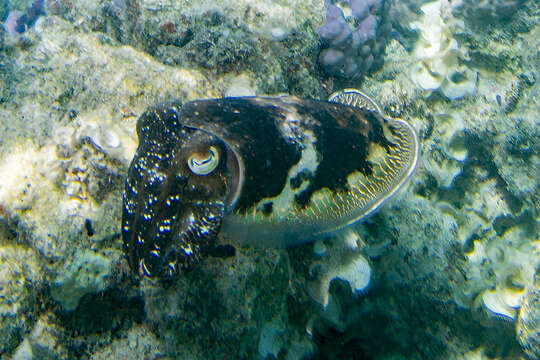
<point>76,158</point>
<point>137,340</point>
<point>42,342</point>
<point>18,269</point>
<point>219,38</point>
<point>528,326</point>
<point>342,260</point>
<point>485,12</point>
<point>453,259</point>
<point>86,274</point>
<point>351,51</point>
<point>439,53</point>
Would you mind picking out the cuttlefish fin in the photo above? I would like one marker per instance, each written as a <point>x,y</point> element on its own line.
<point>355,98</point>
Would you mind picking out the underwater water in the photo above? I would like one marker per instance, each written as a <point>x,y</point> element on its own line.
<point>186,179</point>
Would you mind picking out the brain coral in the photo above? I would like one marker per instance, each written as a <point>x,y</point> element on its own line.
<point>354,36</point>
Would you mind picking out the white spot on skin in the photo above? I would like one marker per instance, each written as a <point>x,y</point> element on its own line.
<point>143,270</point>
<point>203,230</point>
<point>163,229</point>
<point>172,268</point>
<point>187,250</point>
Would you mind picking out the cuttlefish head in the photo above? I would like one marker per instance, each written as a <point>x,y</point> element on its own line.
<point>176,194</point>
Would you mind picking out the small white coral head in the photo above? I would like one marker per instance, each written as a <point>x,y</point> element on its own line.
<point>465,85</point>
<point>432,10</point>
<point>357,273</point>
<point>424,78</point>
<point>503,302</point>
<point>431,29</point>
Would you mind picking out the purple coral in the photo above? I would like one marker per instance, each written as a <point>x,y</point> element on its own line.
<point>354,45</point>
<point>17,21</point>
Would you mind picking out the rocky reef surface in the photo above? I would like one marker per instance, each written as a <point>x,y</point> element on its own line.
<point>452,261</point>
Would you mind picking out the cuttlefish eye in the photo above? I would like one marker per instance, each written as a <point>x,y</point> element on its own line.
<point>204,164</point>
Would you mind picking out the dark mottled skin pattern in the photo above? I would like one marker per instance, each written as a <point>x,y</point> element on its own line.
<point>166,206</point>
<point>342,134</point>
<point>172,217</point>
<point>343,152</point>
<point>267,156</point>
